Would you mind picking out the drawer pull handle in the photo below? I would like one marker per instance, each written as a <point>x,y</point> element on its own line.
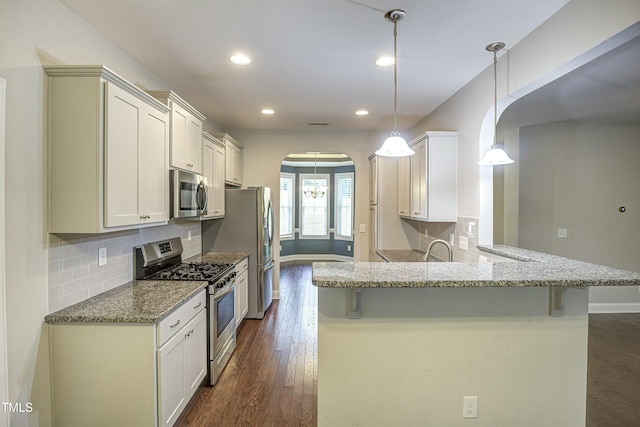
<point>175,324</point>
<point>198,305</point>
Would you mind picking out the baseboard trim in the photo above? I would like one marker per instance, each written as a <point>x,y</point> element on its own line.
<point>315,257</point>
<point>276,294</point>
<point>602,307</point>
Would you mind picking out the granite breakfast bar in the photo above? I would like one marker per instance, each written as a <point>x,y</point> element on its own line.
<point>402,343</point>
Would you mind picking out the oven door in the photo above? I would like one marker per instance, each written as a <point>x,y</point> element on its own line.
<point>222,318</point>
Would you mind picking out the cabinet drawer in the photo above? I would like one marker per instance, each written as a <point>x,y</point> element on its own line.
<point>242,266</point>
<point>171,324</point>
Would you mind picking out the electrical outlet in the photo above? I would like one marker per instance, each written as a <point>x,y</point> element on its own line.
<point>452,240</point>
<point>349,248</point>
<point>189,235</point>
<point>102,257</point>
<point>463,243</point>
<point>562,233</point>
<point>482,258</point>
<point>426,232</point>
<point>470,407</point>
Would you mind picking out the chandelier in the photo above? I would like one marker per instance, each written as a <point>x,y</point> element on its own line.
<point>316,192</point>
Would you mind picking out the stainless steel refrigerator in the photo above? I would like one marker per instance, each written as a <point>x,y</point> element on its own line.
<point>247,226</point>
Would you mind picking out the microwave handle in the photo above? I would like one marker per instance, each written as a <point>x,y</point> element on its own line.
<point>201,197</point>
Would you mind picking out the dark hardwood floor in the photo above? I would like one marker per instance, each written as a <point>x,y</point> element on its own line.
<point>613,376</point>
<point>271,379</point>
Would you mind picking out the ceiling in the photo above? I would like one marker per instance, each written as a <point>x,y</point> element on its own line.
<point>313,61</point>
<point>605,90</point>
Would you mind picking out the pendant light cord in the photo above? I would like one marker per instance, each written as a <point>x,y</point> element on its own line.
<point>495,97</point>
<point>395,75</point>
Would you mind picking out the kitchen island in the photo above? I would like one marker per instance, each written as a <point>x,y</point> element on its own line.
<point>404,343</point>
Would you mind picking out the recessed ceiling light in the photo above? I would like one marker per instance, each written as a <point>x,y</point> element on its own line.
<point>240,59</point>
<point>268,111</point>
<point>362,113</point>
<point>385,61</point>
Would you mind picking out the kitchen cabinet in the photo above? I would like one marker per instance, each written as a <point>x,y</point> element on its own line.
<point>186,132</point>
<point>432,179</point>
<point>373,180</point>
<point>242,290</point>
<point>108,147</point>
<point>213,167</point>
<point>129,374</point>
<point>234,162</point>
<point>404,186</point>
<point>181,368</point>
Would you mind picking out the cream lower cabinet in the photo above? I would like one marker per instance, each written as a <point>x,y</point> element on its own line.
<point>181,368</point>
<point>186,132</point>
<point>128,374</point>
<point>242,290</point>
<point>107,150</point>
<point>213,167</point>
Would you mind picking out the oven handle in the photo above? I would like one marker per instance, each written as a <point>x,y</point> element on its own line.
<point>218,296</point>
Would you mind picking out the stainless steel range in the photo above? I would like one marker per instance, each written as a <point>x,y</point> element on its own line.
<point>163,261</point>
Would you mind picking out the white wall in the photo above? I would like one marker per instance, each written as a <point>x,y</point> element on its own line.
<point>592,171</point>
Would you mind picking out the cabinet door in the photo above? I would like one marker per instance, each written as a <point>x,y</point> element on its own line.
<point>404,186</point>
<point>153,166</point>
<point>373,180</point>
<point>218,180</point>
<point>179,141</point>
<point>229,162</point>
<point>419,181</point>
<point>122,133</point>
<point>242,297</point>
<point>194,144</point>
<point>208,150</point>
<point>171,379</point>
<point>195,367</point>
<point>238,165</point>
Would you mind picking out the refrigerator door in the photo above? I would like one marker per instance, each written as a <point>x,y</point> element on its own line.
<point>265,226</point>
<point>265,291</point>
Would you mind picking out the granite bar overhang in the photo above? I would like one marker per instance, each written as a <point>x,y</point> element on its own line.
<point>534,269</point>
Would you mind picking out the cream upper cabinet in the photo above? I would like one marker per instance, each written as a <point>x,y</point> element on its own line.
<point>108,152</point>
<point>213,167</point>
<point>234,162</point>
<point>373,180</point>
<point>186,132</point>
<point>432,178</point>
<point>404,186</point>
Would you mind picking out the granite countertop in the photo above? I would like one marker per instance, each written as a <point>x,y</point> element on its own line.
<point>219,257</point>
<point>139,301</point>
<point>535,269</point>
<point>404,255</point>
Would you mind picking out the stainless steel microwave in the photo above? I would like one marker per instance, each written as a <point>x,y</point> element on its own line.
<point>188,195</point>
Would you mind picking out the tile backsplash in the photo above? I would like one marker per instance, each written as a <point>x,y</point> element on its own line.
<point>74,274</point>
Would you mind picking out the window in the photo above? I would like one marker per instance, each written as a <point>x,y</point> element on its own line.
<point>314,206</point>
<point>287,200</point>
<point>344,206</point>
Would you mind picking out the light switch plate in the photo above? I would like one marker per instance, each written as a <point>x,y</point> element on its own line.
<point>463,243</point>
<point>363,228</point>
<point>102,257</point>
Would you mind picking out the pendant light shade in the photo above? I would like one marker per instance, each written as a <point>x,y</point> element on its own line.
<point>395,145</point>
<point>496,155</point>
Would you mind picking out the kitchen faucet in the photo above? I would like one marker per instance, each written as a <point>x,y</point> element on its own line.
<point>426,256</point>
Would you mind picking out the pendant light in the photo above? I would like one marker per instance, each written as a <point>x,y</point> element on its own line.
<point>316,192</point>
<point>395,145</point>
<point>496,155</point>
